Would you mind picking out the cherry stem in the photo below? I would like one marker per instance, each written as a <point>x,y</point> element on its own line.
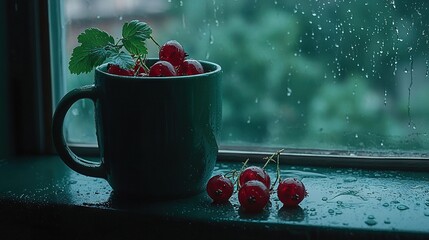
<point>270,159</point>
<point>117,43</point>
<point>142,64</point>
<point>278,178</point>
<point>157,44</point>
<point>231,174</point>
<point>241,170</point>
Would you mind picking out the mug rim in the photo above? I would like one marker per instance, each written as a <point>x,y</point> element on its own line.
<point>217,69</point>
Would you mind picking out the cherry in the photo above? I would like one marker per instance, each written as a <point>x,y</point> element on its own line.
<point>172,52</point>
<point>190,67</point>
<point>291,192</point>
<point>253,196</point>
<point>220,188</point>
<point>115,69</point>
<point>162,69</point>
<point>255,173</point>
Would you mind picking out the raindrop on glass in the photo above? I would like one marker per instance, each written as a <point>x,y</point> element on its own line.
<point>385,97</point>
<point>427,68</point>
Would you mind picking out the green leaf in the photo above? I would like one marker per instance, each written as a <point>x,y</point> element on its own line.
<point>134,34</point>
<point>94,37</point>
<point>123,59</point>
<point>84,59</point>
<point>96,46</point>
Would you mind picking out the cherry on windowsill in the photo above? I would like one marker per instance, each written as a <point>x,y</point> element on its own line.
<point>291,191</point>
<point>253,196</point>
<point>220,188</point>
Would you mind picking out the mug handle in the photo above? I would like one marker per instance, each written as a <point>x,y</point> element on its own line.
<point>73,161</point>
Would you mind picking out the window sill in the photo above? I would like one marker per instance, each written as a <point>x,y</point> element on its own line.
<point>40,196</point>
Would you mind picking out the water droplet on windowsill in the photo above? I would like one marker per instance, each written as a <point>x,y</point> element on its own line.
<point>402,207</point>
<point>350,179</point>
<point>371,222</point>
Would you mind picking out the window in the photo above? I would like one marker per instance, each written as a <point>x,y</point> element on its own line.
<point>344,75</point>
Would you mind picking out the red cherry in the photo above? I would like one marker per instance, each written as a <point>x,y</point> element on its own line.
<point>190,67</point>
<point>255,173</point>
<point>172,52</point>
<point>253,196</point>
<point>220,188</point>
<point>162,69</point>
<point>115,69</point>
<point>291,192</point>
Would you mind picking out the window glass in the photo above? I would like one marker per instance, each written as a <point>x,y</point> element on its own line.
<point>308,74</point>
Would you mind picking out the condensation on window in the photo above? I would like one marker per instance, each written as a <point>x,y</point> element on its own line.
<point>307,74</point>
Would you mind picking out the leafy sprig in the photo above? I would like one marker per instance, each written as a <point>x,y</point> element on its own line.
<point>98,47</point>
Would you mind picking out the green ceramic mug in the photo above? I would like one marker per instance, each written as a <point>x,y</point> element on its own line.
<point>158,137</point>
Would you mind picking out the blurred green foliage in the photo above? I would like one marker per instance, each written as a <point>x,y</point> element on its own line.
<point>319,74</point>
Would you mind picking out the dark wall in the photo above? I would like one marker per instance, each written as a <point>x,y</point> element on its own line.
<point>5,143</point>
<point>28,83</point>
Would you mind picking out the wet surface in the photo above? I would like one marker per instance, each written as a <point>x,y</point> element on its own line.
<point>348,199</point>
